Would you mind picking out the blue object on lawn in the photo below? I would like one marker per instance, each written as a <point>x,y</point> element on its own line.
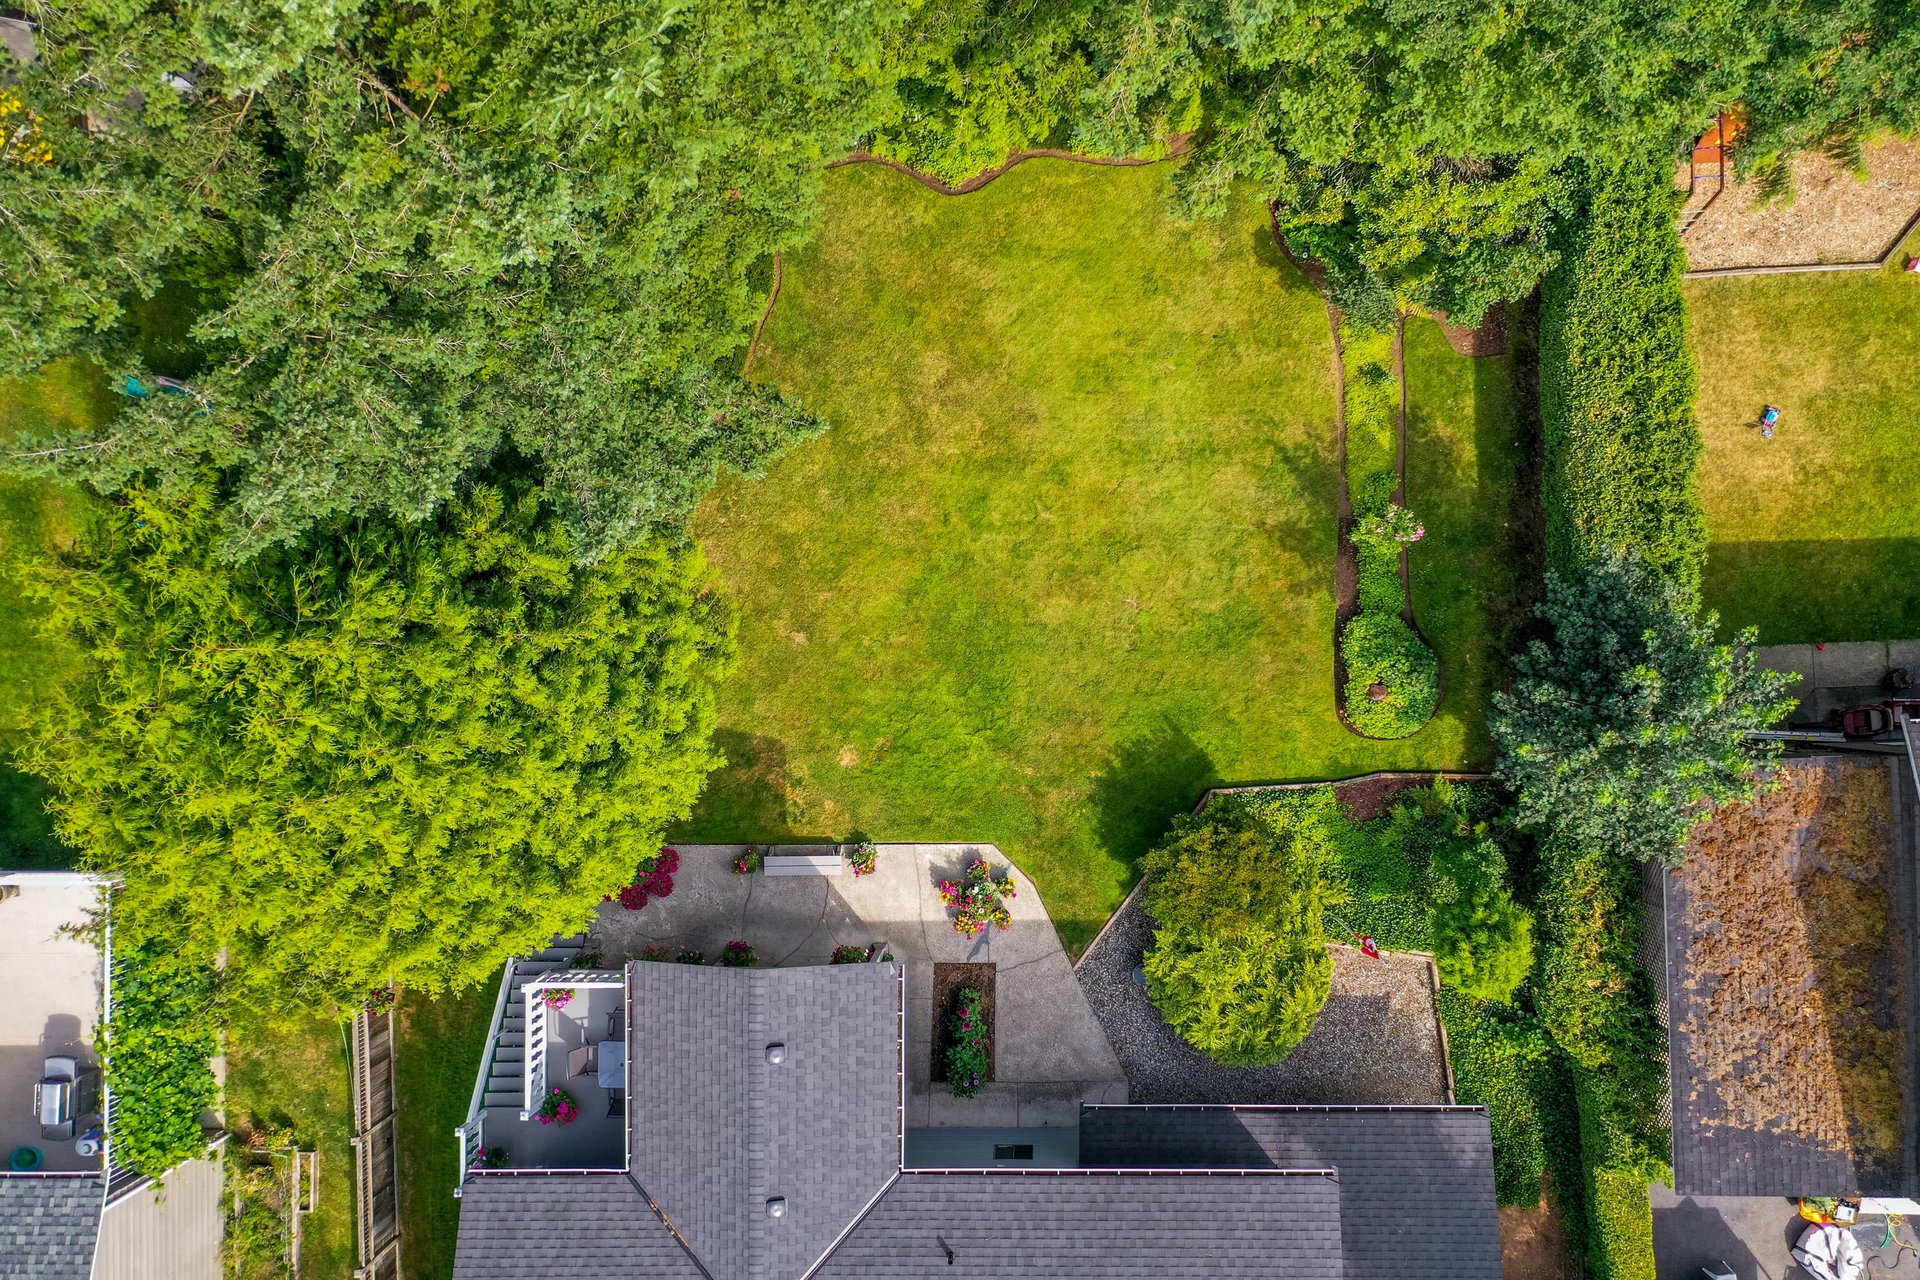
<point>131,385</point>
<point>1771,416</point>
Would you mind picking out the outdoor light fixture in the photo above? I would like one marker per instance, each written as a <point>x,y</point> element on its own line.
<point>776,1054</point>
<point>777,1207</point>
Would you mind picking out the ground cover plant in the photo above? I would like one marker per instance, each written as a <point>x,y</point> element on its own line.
<point>1809,531</point>
<point>159,1041</point>
<point>1239,896</point>
<point>1066,555</point>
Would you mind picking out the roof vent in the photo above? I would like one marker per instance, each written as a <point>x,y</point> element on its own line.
<point>776,1053</point>
<point>777,1207</point>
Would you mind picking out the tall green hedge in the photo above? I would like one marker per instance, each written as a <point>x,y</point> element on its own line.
<point>1617,383</point>
<point>160,1039</point>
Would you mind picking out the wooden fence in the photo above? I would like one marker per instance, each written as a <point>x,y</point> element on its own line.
<point>376,1176</point>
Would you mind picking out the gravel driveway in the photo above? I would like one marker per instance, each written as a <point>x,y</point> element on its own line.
<point>1377,1040</point>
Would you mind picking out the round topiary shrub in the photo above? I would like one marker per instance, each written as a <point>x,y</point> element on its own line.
<point>1393,679</point>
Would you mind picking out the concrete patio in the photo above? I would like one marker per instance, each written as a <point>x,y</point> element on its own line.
<point>1753,1235</point>
<point>1050,1053</point>
<point>50,1002</point>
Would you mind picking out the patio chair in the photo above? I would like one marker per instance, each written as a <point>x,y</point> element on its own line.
<point>581,1061</point>
<point>616,1103</point>
<point>613,1024</point>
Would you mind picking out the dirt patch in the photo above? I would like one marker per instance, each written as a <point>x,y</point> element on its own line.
<point>1533,1243</point>
<point>1833,216</point>
<point>1794,964</point>
<point>948,981</point>
<point>1368,798</point>
<point>1490,339</point>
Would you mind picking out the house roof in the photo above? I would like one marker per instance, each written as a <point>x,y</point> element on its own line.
<point>720,1131</point>
<point>1788,938</point>
<point>596,1225</point>
<point>49,1225</point>
<point>1416,1183</point>
<point>1004,1225</point>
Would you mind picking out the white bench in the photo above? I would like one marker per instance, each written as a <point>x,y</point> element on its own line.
<point>815,863</point>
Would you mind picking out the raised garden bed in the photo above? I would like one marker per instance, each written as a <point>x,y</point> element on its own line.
<point>948,981</point>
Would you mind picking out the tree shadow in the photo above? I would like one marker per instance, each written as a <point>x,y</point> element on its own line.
<point>749,797</point>
<point>1148,781</point>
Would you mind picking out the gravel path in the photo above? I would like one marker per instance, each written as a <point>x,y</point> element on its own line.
<point>1376,1040</point>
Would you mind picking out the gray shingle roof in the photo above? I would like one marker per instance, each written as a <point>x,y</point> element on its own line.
<point>1416,1183</point>
<point>591,1226</point>
<point>718,1130</point>
<point>49,1226</point>
<point>1096,1226</point>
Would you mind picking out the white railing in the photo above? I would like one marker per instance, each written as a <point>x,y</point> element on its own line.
<point>493,1044</point>
<point>472,1148</point>
<point>536,1061</point>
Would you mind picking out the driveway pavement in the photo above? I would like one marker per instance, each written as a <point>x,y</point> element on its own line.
<point>1753,1234</point>
<point>1049,1054</point>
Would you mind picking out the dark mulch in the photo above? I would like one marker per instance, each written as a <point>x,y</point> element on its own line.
<point>1490,339</point>
<point>1370,798</point>
<point>948,981</point>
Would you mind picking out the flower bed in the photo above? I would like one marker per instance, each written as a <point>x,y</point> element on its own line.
<point>849,955</point>
<point>738,955</point>
<point>749,861</point>
<point>864,858</point>
<point>969,1060</point>
<point>978,900</point>
<point>949,981</point>
<point>558,1107</point>
<point>656,883</point>
<point>689,955</point>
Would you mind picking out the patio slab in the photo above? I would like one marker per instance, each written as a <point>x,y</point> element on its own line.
<point>1049,1050</point>
<point>50,1002</point>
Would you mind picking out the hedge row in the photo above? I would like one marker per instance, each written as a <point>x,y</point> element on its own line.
<point>159,1041</point>
<point>1380,650</point>
<point>1617,383</point>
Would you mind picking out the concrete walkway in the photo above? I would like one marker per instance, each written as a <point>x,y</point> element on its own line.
<point>1831,679</point>
<point>1050,1053</point>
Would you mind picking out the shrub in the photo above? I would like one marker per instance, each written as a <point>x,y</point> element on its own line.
<point>159,1039</point>
<point>1617,384</point>
<point>655,883</point>
<point>849,955</point>
<point>1622,1221</point>
<point>494,1158</point>
<point>865,857</point>
<point>558,1107</point>
<point>749,861</point>
<point>967,1063</point>
<point>653,954</point>
<point>689,955</point>
<point>1483,942</point>
<point>977,900</point>
<point>1239,965</point>
<point>1627,723</point>
<point>380,1000</point>
<point>738,955</point>
<point>1392,677</point>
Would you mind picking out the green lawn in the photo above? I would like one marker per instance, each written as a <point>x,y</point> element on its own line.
<point>296,1076</point>
<point>1067,555</point>
<point>436,1062</point>
<point>1816,533</point>
<point>35,516</point>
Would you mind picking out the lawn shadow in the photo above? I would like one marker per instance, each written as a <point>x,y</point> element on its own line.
<point>27,841</point>
<point>749,797</point>
<point>1816,592</point>
<point>1148,781</point>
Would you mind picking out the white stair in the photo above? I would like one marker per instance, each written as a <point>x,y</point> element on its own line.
<point>506,1068</point>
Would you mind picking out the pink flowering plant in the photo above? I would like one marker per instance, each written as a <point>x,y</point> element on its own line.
<point>749,861</point>
<point>656,883</point>
<point>863,859</point>
<point>1395,524</point>
<point>556,997</point>
<point>967,1062</point>
<point>381,1000</point>
<point>849,955</point>
<point>978,900</point>
<point>558,1107</point>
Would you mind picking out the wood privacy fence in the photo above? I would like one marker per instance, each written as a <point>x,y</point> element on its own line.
<point>376,1180</point>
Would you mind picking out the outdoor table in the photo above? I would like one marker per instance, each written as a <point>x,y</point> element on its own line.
<point>613,1064</point>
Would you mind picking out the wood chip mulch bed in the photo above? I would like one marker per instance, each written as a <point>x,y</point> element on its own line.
<point>1834,215</point>
<point>948,981</point>
<point>1793,969</point>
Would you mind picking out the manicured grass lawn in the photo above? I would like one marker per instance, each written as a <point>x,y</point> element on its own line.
<point>35,516</point>
<point>1464,459</point>
<point>296,1076</point>
<point>1816,533</point>
<point>1066,556</point>
<point>436,1062</point>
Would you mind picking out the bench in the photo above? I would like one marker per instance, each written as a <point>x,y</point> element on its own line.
<point>819,862</point>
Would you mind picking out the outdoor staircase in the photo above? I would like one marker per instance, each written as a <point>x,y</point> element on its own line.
<point>506,1069</point>
<point>1708,166</point>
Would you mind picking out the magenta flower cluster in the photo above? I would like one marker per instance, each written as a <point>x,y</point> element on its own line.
<point>556,997</point>
<point>657,883</point>
<point>978,900</point>
<point>865,858</point>
<point>749,861</point>
<point>558,1107</point>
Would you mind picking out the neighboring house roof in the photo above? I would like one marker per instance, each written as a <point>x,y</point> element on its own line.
<point>166,1228</point>
<point>1788,937</point>
<point>1416,1183</point>
<point>1003,1225</point>
<point>48,1225</point>
<point>591,1226</point>
<point>720,1131</point>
